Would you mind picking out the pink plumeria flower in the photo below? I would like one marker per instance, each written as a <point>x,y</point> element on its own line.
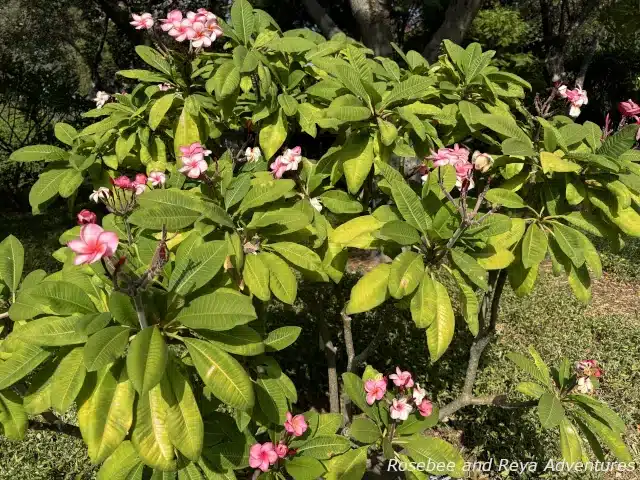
<point>206,14</point>
<point>401,379</point>
<point>588,368</point>
<point>157,178</point>
<point>287,162</point>
<point>282,449</point>
<point>278,168</point>
<point>213,28</point>
<point>425,408</point>
<point>482,161</point>
<point>101,193</point>
<point>262,456</point>
<point>140,183</point>
<point>440,158</point>
<point>142,22</point>
<point>182,31</point>
<point>375,389</point>
<point>93,244</point>
<point>201,37</point>
<point>463,173</point>
<point>458,154</point>
<point>101,98</point>
<point>296,426</point>
<point>576,97</point>
<point>86,217</point>
<point>174,17</point>
<point>123,182</point>
<point>253,154</point>
<point>193,160</point>
<point>418,394</point>
<point>629,108</point>
<point>400,409</point>
<point>164,87</point>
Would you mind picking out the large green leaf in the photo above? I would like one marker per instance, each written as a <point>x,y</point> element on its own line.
<point>323,447</point>
<point>106,413</point>
<point>298,255</point>
<point>123,462</point>
<point>434,451</point>
<point>273,134</point>
<point>160,109</point>
<point>356,231</point>
<point>11,262</point>
<point>154,58</point>
<point>470,267</point>
<point>150,434</point>
<point>405,274</point>
<point>570,243</point>
<point>105,346</point>
<point>265,193</point>
<point>305,468</point>
<point>256,276</point>
<point>39,153</point>
<point>423,302</point>
<point>358,160</point>
<point>201,265</point>
<point>553,163</point>
<point>13,417</point>
<point>282,280</point>
<point>410,207</point>
<point>47,186</point>
<point>51,331</point>
<point>123,310</point>
<point>570,445</point>
<point>242,20</point>
<point>506,198</point>
<point>147,359</point>
<point>414,87</point>
<point>550,410</point>
<point>469,302</point>
<point>64,298</point>
<point>186,133</point>
<point>68,380</point>
<point>364,430</point>
<point>440,331</point>
<point>370,291</point>
<point>241,340</point>
<point>222,374</point>
<point>505,126</point>
<point>184,421</point>
<point>354,388</point>
<point>220,310</point>
<point>534,246</point>
<point>21,362</point>
<point>282,337</point>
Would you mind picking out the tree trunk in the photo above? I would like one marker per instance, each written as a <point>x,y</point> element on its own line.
<point>119,15</point>
<point>322,19</point>
<point>374,23</point>
<point>457,20</point>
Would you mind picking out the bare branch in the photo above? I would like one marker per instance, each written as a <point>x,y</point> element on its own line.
<point>322,19</point>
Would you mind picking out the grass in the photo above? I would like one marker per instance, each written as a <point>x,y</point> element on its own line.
<point>550,319</point>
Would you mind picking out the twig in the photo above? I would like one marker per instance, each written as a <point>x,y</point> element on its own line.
<point>330,352</point>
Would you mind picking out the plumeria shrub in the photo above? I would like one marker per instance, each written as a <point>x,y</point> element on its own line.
<point>207,209</point>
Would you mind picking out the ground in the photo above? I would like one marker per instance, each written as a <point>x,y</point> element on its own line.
<point>550,319</point>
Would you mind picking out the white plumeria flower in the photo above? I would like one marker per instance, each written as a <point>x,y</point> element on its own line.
<point>315,203</point>
<point>400,409</point>
<point>101,99</point>
<point>424,178</point>
<point>253,154</point>
<point>585,385</point>
<point>419,394</point>
<point>99,194</point>
<point>157,178</point>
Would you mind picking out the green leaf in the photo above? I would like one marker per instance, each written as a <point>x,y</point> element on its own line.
<point>505,126</point>
<point>423,303</point>
<point>46,187</point>
<point>282,280</point>
<point>399,232</point>
<point>434,451</point>
<point>142,76</point>
<point>506,198</point>
<point>531,389</point>
<point>323,447</point>
<point>364,430</point>
<point>68,379</point>
<point>469,302</point>
<point>388,131</point>
<point>410,207</point>
<point>186,133</point>
<point>292,44</point>
<point>338,201</point>
<point>354,387</point>
<point>358,160</point>
<point>11,262</point>
<point>359,228</point>
<point>160,109</point>
<point>282,337</point>
<point>122,308</point>
<point>150,434</point>
<point>184,421</point>
<point>618,143</point>
<point>242,20</point>
<point>570,446</point>
<point>273,134</point>
<point>147,359</point>
<point>21,362</point>
<point>534,246</point>
<point>13,418</point>
<point>413,87</point>
<point>105,415</point>
<point>553,163</point>
<point>405,274</point>
<point>550,410</point>
<point>440,331</point>
<point>370,291</point>
<point>120,464</point>
<point>570,243</point>
<point>610,438</point>
<point>517,148</point>
<point>593,135</point>
<point>265,193</point>
<point>256,277</point>
<point>298,255</point>
<point>288,103</point>
<point>195,271</point>
<point>154,58</point>
<point>599,409</point>
<point>305,468</point>
<point>65,133</point>
<point>222,374</point>
<point>51,331</point>
<point>218,311</point>
<point>39,153</point>
<point>468,265</point>
<point>237,190</point>
<point>240,340</point>
<point>105,346</point>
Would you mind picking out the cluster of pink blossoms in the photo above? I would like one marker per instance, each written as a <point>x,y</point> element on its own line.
<point>286,162</point>
<point>200,28</point>
<point>576,97</point>
<point>193,162</point>
<point>411,395</point>
<point>263,455</point>
<point>585,369</point>
<point>458,157</point>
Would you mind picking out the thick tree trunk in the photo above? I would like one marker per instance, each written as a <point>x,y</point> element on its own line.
<point>457,20</point>
<point>322,19</point>
<point>374,23</point>
<point>120,16</point>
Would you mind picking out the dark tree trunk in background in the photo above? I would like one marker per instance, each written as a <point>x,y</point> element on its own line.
<point>457,20</point>
<point>319,15</point>
<point>119,14</point>
<point>374,23</point>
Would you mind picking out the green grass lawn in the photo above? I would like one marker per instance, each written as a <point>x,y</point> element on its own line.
<point>550,319</point>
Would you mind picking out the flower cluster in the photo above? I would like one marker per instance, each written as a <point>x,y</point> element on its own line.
<point>93,244</point>
<point>253,155</point>
<point>410,395</point>
<point>576,97</point>
<point>200,28</point>
<point>143,21</point>
<point>586,369</point>
<point>629,108</point>
<point>458,157</point>
<point>286,162</point>
<point>263,455</point>
<point>193,160</point>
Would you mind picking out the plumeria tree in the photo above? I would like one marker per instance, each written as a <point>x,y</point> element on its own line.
<point>154,326</point>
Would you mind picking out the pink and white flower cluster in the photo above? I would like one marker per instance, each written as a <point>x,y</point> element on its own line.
<point>411,395</point>
<point>286,162</point>
<point>200,28</point>
<point>193,160</point>
<point>263,455</point>
<point>586,369</point>
<point>138,184</point>
<point>458,157</point>
<point>576,97</point>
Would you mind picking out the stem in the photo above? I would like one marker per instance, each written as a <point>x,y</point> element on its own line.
<point>4,315</point>
<point>332,371</point>
<point>137,300</point>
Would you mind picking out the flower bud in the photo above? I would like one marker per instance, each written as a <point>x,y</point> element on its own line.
<point>482,161</point>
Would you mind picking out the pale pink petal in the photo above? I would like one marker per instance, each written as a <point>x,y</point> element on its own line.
<point>78,246</point>
<point>90,233</point>
<point>110,239</point>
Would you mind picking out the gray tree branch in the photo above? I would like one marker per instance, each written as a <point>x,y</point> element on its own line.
<point>322,19</point>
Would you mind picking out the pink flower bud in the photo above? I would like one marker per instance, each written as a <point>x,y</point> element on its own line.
<point>86,217</point>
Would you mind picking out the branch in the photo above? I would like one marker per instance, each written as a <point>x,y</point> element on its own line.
<point>457,20</point>
<point>4,315</point>
<point>142,319</point>
<point>332,371</point>
<point>322,19</point>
